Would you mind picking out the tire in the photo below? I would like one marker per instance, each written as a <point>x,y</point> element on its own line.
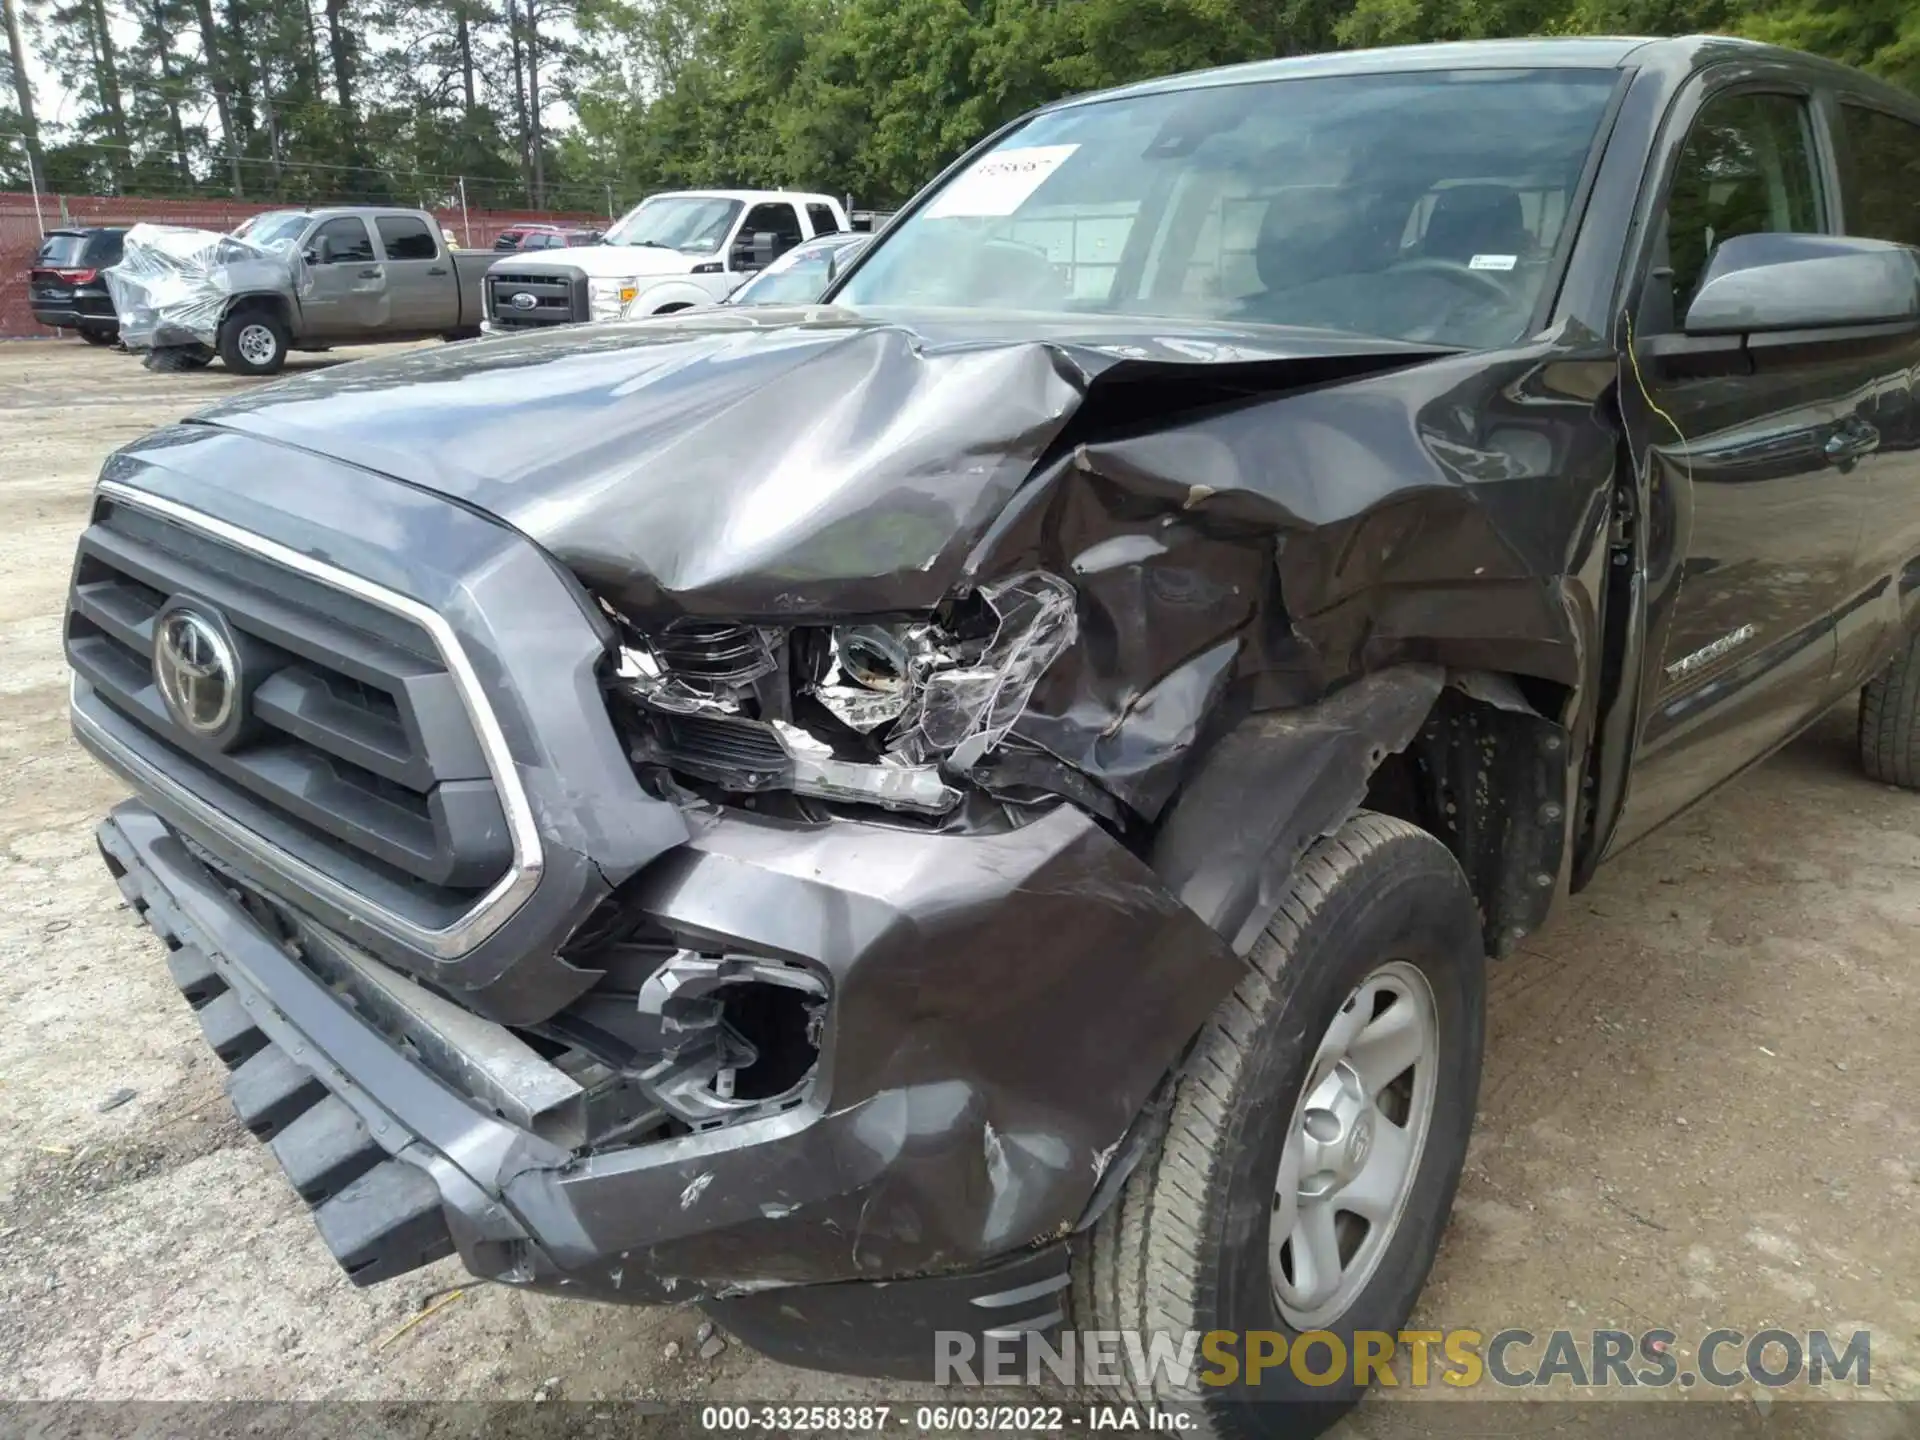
<point>99,337</point>
<point>1890,720</point>
<point>254,342</point>
<point>168,358</point>
<point>1185,1248</point>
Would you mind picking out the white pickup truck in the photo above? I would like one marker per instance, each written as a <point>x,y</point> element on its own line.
<point>672,251</point>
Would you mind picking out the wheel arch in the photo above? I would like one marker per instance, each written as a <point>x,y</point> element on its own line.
<point>668,297</point>
<point>1472,757</point>
<point>277,304</point>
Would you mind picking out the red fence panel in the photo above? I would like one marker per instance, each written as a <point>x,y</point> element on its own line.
<point>21,227</point>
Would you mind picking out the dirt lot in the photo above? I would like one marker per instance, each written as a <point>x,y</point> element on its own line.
<point>1700,1106</point>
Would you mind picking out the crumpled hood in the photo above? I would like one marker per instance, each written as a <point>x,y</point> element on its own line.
<point>766,463</point>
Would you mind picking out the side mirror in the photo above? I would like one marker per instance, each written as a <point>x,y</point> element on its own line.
<point>320,251</point>
<point>1805,282</point>
<point>755,251</point>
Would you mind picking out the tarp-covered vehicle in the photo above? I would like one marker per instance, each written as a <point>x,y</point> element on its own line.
<point>980,805</point>
<point>294,280</point>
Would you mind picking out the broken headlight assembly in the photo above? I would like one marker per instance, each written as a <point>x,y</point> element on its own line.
<point>874,712</point>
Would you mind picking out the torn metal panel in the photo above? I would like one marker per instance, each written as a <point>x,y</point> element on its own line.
<point>1275,784</point>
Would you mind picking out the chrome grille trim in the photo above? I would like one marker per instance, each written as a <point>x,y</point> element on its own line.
<point>499,903</point>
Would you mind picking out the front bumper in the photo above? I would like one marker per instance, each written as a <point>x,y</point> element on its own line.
<point>953,1180</point>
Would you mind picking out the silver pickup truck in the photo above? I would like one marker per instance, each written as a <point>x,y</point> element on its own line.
<point>299,280</point>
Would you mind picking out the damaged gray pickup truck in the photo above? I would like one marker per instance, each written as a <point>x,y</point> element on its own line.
<point>980,806</point>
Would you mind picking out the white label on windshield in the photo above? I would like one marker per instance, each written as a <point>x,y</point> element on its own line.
<point>998,183</point>
<point>1492,262</point>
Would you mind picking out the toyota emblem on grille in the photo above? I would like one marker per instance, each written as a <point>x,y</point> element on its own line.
<point>197,673</point>
<point>521,300</point>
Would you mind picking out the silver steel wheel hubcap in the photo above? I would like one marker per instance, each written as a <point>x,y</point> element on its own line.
<point>1354,1146</point>
<point>256,344</point>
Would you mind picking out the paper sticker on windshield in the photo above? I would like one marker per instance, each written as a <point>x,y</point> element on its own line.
<point>1000,182</point>
<point>1492,262</point>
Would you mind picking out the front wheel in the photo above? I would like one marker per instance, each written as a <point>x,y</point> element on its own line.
<point>1890,720</point>
<point>254,342</point>
<point>1316,1138</point>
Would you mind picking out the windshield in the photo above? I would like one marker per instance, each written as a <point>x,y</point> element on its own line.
<point>797,276</point>
<point>277,228</point>
<point>693,224</point>
<point>1420,206</point>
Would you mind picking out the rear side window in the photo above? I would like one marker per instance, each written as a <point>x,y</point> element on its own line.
<point>1746,168</point>
<point>1881,182</point>
<point>405,238</point>
<point>821,218</point>
<point>343,240</point>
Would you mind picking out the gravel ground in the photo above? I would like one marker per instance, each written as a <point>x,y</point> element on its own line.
<point>1699,1105</point>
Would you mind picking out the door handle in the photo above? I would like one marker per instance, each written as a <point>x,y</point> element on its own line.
<point>373,274</point>
<point>1854,438</point>
<point>436,270</point>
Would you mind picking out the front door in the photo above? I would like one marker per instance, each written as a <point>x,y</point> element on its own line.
<point>1753,453</point>
<point>346,285</point>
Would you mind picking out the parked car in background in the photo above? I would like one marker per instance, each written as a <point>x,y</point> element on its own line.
<point>543,235</point>
<point>309,279</point>
<point>799,276</point>
<point>560,239</point>
<point>675,251</point>
<point>64,284</point>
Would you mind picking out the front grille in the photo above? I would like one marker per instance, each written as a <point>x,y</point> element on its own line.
<point>560,298</point>
<point>352,736</point>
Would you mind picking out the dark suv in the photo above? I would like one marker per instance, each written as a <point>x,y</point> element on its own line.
<point>67,288</point>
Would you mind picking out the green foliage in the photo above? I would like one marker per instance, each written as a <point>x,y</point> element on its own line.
<point>1878,35</point>
<point>873,97</point>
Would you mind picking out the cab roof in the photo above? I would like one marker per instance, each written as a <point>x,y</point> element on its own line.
<point>1591,52</point>
<point>747,196</point>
